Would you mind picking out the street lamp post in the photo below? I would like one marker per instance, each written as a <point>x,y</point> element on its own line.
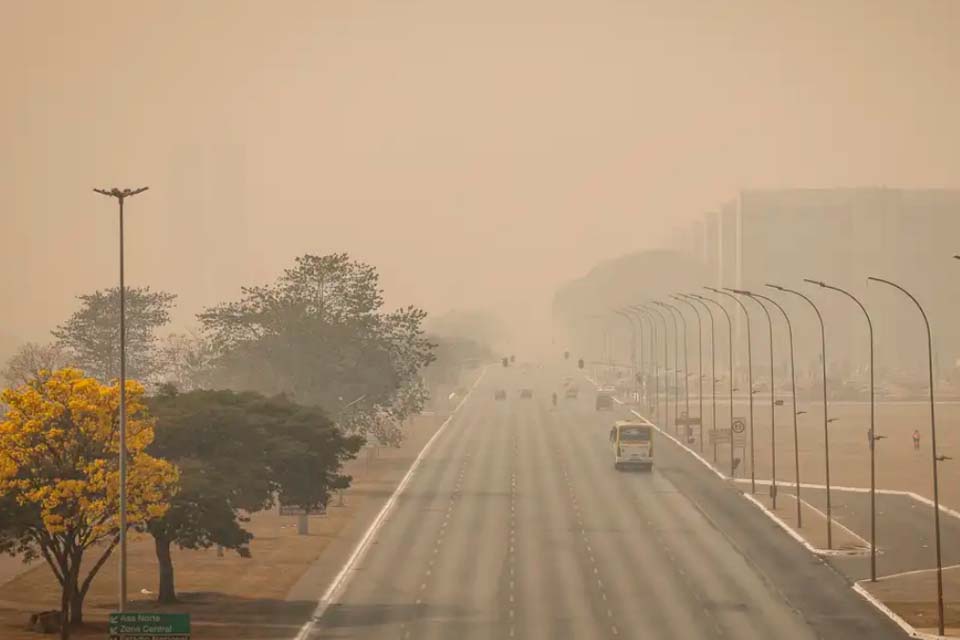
<point>680,298</point>
<point>705,299</point>
<point>645,313</point>
<point>753,473</point>
<point>675,313</point>
<point>872,436</point>
<point>713,369</point>
<point>773,403</point>
<point>676,365</point>
<point>793,387</point>
<point>121,195</point>
<point>933,446</point>
<point>826,419</point>
<point>633,336</point>
<point>637,362</point>
<point>666,366</point>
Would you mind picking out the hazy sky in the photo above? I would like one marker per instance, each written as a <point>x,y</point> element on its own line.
<point>479,153</point>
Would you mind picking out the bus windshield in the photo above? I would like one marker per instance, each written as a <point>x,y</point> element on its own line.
<point>634,434</point>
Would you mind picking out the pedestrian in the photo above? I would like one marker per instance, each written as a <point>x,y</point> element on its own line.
<point>916,439</point>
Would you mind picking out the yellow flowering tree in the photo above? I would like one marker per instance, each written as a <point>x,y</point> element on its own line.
<point>59,475</point>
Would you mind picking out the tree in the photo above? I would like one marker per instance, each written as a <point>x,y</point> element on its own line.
<point>59,445</point>
<point>319,334</point>
<point>32,362</point>
<point>236,451</point>
<point>91,336</point>
<point>185,360</point>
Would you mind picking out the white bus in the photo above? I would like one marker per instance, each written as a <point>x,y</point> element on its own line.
<point>632,444</point>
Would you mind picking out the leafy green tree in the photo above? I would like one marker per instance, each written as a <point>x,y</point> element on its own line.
<point>320,335</point>
<point>236,452</point>
<point>91,336</point>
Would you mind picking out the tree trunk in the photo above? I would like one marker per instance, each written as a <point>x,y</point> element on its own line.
<point>167,593</point>
<point>76,605</point>
<point>65,597</point>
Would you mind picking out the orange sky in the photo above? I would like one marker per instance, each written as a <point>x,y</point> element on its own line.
<point>479,153</point>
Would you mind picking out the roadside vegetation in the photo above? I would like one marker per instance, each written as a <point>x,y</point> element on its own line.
<point>261,404</point>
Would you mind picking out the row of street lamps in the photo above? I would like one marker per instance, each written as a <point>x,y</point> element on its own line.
<point>653,312</point>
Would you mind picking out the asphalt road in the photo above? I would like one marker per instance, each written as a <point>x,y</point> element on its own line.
<point>517,525</point>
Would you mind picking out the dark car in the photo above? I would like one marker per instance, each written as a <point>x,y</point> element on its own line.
<point>499,394</point>
<point>571,392</point>
<point>526,393</point>
<point>604,402</point>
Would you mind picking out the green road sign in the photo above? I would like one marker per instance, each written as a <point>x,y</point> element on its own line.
<point>149,626</point>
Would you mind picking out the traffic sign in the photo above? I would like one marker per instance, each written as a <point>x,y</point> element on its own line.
<point>685,420</point>
<point>722,436</point>
<point>739,425</point>
<point>149,626</point>
<point>297,510</point>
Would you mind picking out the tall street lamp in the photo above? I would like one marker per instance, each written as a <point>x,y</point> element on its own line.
<point>121,195</point>
<point>826,419</point>
<point>666,383</point>
<point>645,313</point>
<point>713,370</point>
<point>633,335</point>
<point>753,475</point>
<point>933,448</point>
<point>773,403</point>
<point>680,298</point>
<point>705,299</point>
<point>793,386</point>
<point>872,436</point>
<point>675,313</point>
<point>637,363</point>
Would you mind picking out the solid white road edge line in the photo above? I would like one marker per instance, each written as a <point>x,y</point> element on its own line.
<point>887,611</point>
<point>882,608</point>
<point>342,579</point>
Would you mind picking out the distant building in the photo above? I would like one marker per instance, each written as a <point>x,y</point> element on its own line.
<point>842,236</point>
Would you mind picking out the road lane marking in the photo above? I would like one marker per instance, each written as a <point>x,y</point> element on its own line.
<point>342,578</point>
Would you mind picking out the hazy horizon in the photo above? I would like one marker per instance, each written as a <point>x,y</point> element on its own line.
<point>478,155</point>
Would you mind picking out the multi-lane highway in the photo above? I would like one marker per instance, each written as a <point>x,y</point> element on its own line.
<point>515,524</point>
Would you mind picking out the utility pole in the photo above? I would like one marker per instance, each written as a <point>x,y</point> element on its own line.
<point>121,195</point>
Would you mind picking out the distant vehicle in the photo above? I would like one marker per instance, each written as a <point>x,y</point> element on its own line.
<point>500,394</point>
<point>604,402</point>
<point>567,381</point>
<point>571,392</point>
<point>632,444</point>
<point>526,393</point>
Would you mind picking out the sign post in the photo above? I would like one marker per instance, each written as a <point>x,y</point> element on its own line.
<point>149,626</point>
<point>685,420</point>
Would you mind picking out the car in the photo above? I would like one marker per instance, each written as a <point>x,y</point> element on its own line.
<point>500,394</point>
<point>604,402</point>
<point>526,393</point>
<point>571,392</point>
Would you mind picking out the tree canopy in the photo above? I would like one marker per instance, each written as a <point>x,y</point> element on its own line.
<point>320,335</point>
<point>59,450</point>
<point>236,452</point>
<point>91,336</point>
